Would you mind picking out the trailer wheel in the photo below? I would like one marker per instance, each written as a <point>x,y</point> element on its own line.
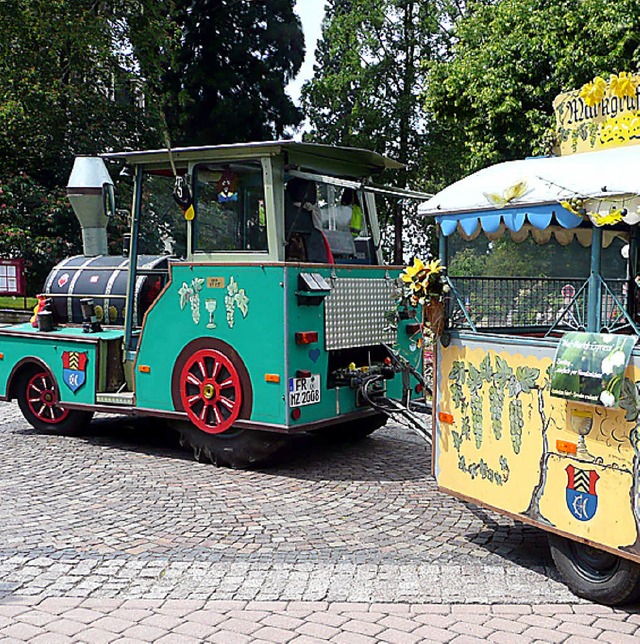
<point>38,399</point>
<point>595,574</point>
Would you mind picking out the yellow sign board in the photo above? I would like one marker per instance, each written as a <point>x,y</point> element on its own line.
<point>215,282</point>
<point>602,114</point>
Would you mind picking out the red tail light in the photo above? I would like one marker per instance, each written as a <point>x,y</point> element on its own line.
<point>306,337</point>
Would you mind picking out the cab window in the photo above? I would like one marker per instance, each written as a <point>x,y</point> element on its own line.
<point>230,210</point>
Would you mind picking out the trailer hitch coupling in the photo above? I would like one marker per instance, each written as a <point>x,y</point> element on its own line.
<point>370,390</point>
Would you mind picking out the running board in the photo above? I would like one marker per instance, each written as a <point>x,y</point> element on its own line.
<point>119,399</point>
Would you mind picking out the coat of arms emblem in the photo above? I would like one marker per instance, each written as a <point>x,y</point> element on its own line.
<point>582,499</point>
<point>74,369</point>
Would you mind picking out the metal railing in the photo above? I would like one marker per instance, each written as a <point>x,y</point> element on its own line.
<point>545,304</point>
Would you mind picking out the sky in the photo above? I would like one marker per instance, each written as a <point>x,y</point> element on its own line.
<point>311,13</point>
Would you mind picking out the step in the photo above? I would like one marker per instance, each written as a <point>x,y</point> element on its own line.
<point>122,399</point>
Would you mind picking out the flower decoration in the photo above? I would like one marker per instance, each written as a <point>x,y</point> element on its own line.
<point>592,93</point>
<point>623,84</point>
<point>512,192</point>
<point>614,216</point>
<point>575,206</point>
<point>426,281</point>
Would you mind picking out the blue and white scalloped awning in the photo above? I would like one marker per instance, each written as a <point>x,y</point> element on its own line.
<point>530,191</point>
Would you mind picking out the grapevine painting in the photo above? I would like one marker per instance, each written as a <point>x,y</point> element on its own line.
<point>514,447</point>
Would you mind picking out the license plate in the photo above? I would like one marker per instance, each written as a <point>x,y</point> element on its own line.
<point>304,391</point>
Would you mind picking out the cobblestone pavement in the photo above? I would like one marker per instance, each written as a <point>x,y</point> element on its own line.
<point>118,535</point>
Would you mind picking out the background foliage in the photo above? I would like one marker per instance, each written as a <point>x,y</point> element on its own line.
<point>88,76</point>
<point>446,87</point>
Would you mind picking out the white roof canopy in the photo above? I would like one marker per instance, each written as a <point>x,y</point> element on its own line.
<point>515,191</point>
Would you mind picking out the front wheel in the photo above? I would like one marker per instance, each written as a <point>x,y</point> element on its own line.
<point>39,403</point>
<point>595,574</point>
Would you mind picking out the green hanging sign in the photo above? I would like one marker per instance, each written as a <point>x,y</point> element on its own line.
<point>589,367</point>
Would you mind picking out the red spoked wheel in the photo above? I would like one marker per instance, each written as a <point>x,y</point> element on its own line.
<point>211,391</point>
<point>39,402</point>
<point>42,399</point>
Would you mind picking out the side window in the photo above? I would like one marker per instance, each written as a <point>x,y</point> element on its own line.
<point>230,212</point>
<point>162,225</point>
<point>344,223</point>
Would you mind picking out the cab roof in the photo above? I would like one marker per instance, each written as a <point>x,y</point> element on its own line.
<point>331,159</point>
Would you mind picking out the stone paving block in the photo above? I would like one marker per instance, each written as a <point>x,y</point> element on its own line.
<point>616,625</point>
<point>544,634</point>
<point>65,626</point>
<point>96,636</point>
<point>318,631</point>
<point>144,633</point>
<point>235,625</point>
<point>502,624</point>
<point>112,624</point>
<point>83,615</point>
<point>353,638</point>
<point>511,609</point>
<point>328,618</point>
<point>617,638</point>
<point>271,634</point>
<point>471,629</point>
<point>59,605</point>
<point>576,639</point>
<point>283,621</point>
<point>21,631</point>
<point>543,621</point>
<point>434,634</point>
<point>468,639</point>
<point>194,629</point>
<point>394,636</point>
<point>52,638</point>
<point>176,638</point>
<point>164,622</point>
<point>579,630</point>
<point>500,637</point>
<point>36,617</point>
<point>361,627</point>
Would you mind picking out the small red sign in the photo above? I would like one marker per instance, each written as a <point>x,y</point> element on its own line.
<point>12,280</point>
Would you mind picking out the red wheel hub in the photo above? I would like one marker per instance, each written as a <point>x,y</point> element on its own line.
<point>210,391</point>
<point>42,399</point>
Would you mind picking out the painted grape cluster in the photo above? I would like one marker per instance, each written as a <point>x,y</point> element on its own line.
<point>495,380</point>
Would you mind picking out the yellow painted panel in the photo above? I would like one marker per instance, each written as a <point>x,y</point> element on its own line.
<point>501,448</point>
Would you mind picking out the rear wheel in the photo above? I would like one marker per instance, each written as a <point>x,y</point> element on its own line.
<point>595,574</point>
<point>39,402</point>
<point>212,386</point>
<point>237,448</point>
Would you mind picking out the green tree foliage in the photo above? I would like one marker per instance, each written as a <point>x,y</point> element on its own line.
<point>87,76</point>
<point>493,95</point>
<point>367,83</point>
<point>36,225</point>
<point>228,82</point>
<point>70,74</point>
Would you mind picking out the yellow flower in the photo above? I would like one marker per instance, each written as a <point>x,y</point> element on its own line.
<point>593,93</point>
<point>410,273</point>
<point>623,85</point>
<point>435,266</point>
<point>606,219</point>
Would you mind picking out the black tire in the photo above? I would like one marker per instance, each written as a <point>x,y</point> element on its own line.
<point>236,448</point>
<point>37,394</point>
<point>595,574</point>
<point>352,431</point>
